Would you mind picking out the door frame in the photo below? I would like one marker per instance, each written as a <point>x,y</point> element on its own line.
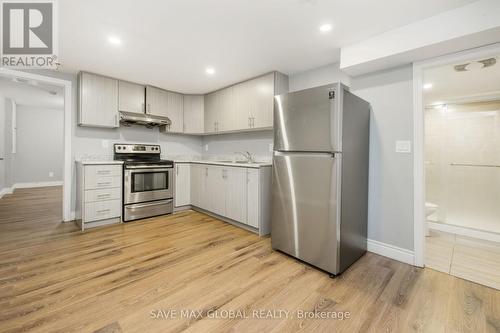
<point>419,136</point>
<point>67,151</point>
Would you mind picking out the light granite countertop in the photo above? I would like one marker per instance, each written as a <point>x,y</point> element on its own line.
<point>227,163</point>
<point>99,162</point>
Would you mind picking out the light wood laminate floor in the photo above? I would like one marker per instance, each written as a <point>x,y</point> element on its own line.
<point>469,258</point>
<point>54,278</point>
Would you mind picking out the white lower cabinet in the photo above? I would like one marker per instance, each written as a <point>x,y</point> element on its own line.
<point>253,197</point>
<point>182,184</point>
<point>237,193</point>
<point>99,194</point>
<point>198,185</point>
<point>216,190</point>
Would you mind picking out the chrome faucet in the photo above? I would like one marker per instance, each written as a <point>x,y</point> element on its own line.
<point>248,156</point>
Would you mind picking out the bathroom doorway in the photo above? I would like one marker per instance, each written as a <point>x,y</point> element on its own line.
<point>461,103</point>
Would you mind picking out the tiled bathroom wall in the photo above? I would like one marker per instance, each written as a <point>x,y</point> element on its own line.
<point>462,153</point>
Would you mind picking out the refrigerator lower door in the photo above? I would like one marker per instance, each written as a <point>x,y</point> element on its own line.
<point>306,207</point>
<point>309,120</point>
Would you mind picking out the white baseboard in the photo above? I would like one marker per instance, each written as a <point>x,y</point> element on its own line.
<point>10,190</point>
<point>37,184</point>
<point>463,231</point>
<point>391,251</point>
<point>7,190</point>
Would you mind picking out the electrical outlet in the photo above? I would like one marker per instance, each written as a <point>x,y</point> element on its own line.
<point>206,147</point>
<point>271,147</point>
<point>51,174</point>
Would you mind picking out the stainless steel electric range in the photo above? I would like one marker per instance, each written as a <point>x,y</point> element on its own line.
<point>148,188</point>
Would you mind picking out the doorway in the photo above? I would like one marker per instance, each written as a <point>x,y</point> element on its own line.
<point>460,128</point>
<point>49,86</point>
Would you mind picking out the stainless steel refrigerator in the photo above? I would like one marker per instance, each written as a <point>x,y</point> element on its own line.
<point>320,176</point>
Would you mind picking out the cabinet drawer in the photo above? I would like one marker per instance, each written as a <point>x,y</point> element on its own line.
<point>102,210</point>
<point>102,170</point>
<point>104,194</point>
<point>97,182</point>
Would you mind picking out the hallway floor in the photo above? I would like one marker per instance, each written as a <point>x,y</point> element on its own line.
<point>471,259</point>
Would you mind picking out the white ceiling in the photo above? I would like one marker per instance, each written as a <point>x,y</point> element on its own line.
<point>450,85</point>
<point>32,93</point>
<point>169,43</point>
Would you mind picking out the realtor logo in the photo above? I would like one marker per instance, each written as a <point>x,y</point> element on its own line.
<point>28,30</point>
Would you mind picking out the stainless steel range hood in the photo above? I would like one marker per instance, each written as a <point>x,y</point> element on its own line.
<point>150,121</point>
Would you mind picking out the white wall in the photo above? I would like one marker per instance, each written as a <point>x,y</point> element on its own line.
<point>390,208</point>
<point>257,143</point>
<point>318,77</point>
<point>39,148</point>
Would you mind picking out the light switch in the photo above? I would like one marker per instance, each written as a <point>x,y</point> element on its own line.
<point>403,147</point>
<point>206,147</point>
<point>51,174</point>
<point>105,143</point>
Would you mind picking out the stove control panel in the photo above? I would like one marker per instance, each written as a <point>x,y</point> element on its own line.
<point>120,148</point>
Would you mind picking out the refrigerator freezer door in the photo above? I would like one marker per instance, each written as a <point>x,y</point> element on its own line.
<point>306,209</point>
<point>308,120</point>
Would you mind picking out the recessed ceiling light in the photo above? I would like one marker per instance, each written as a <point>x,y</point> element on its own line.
<point>427,86</point>
<point>325,27</point>
<point>210,70</point>
<point>114,40</point>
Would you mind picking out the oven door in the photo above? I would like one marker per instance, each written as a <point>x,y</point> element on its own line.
<point>145,184</point>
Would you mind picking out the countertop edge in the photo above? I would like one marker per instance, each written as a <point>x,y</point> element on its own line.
<point>241,165</point>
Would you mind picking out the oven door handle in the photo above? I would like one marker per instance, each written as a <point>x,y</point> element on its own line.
<point>148,167</point>
<point>149,170</point>
<point>156,203</point>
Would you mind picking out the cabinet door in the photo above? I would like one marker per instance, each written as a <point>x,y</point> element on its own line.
<point>98,101</point>
<point>194,114</point>
<point>182,184</point>
<point>226,117</point>
<point>199,195</point>
<point>175,111</point>
<point>216,192</point>
<point>236,194</point>
<point>195,184</point>
<point>253,197</point>
<point>131,97</point>
<point>262,93</point>
<point>156,101</point>
<point>243,104</point>
<point>211,112</point>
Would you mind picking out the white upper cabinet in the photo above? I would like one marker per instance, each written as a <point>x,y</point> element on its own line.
<point>165,103</point>
<point>131,97</point>
<point>227,112</point>
<point>243,106</point>
<point>98,100</point>
<point>212,109</point>
<point>262,101</point>
<point>254,102</point>
<point>194,114</point>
